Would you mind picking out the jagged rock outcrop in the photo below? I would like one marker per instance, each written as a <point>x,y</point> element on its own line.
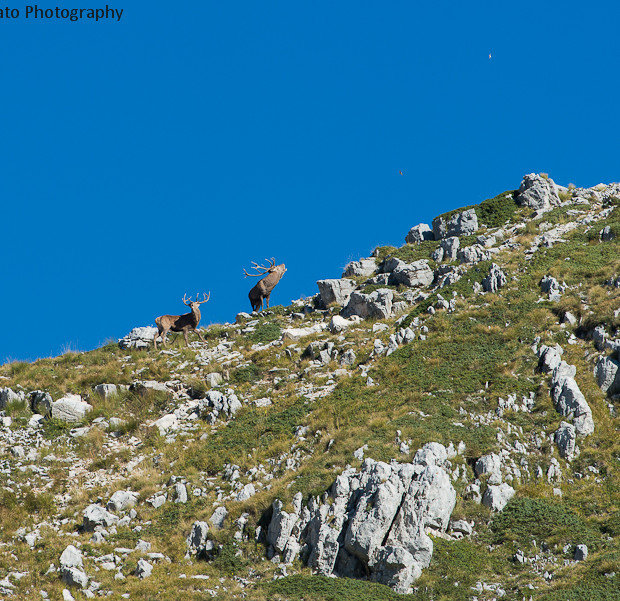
<point>459,224</point>
<point>607,372</point>
<point>419,233</point>
<point>376,304</point>
<point>494,280</point>
<point>216,404</point>
<point>335,291</point>
<point>447,250</point>
<point>373,522</point>
<point>363,267</point>
<point>537,192</point>
<point>7,395</point>
<point>412,275</point>
<point>473,254</point>
<point>566,437</point>
<point>138,338</point>
<point>568,399</point>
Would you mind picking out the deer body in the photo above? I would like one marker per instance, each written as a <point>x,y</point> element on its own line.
<point>188,322</point>
<point>264,287</point>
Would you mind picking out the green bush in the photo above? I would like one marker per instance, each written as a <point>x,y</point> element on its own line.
<point>525,519</point>
<point>249,373</point>
<point>264,333</point>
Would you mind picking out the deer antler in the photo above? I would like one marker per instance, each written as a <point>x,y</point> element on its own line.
<point>258,267</point>
<point>187,301</point>
<point>203,296</point>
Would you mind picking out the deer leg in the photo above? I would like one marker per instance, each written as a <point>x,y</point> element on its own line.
<point>200,336</point>
<point>267,299</point>
<point>185,336</point>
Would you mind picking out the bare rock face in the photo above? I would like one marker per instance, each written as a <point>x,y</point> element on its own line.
<point>138,338</point>
<point>494,280</point>
<point>565,437</point>
<point>459,224</point>
<point>537,192</point>
<point>418,233</point>
<point>373,522</point>
<point>70,408</point>
<point>335,291</point>
<point>473,254</point>
<point>607,372</point>
<point>496,497</point>
<point>217,404</point>
<point>363,267</point>
<point>7,395</point>
<point>413,274</point>
<point>95,515</point>
<point>569,400</point>
<point>376,304</point>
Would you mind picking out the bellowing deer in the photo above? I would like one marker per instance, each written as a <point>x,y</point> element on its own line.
<point>263,289</point>
<point>185,323</point>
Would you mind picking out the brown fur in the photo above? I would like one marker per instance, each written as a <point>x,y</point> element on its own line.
<point>264,288</point>
<point>188,322</point>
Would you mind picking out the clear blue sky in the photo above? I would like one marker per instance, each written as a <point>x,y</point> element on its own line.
<point>156,156</point>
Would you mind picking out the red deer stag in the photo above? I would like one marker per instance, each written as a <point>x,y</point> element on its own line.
<point>188,322</point>
<point>265,287</point>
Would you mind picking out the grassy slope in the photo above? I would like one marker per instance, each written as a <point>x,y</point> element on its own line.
<point>470,359</point>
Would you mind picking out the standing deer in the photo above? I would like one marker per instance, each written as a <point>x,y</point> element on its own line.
<point>264,288</point>
<point>188,322</point>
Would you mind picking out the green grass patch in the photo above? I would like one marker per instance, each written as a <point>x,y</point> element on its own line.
<point>264,333</point>
<point>550,521</point>
<point>321,588</point>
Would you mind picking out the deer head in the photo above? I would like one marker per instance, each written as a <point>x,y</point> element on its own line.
<point>195,305</point>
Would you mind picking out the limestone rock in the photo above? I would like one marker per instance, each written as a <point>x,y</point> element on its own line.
<point>74,577</point>
<point>335,291</point>
<point>197,537</point>
<point>418,233</point>
<point>496,497</point>
<point>565,437</point>
<point>568,399</point>
<point>218,516</point>
<point>40,402</point>
<point>218,405</point>
<point>339,324</point>
<point>490,464</point>
<point>7,395</point>
<point>363,267</point>
<point>71,557</point>
<point>95,515</point>
<point>143,569</point>
<point>537,192</point>
<point>70,408</point>
<point>413,274</point>
<point>607,372</point>
<point>581,553</point>
<point>549,357</point>
<point>450,247</point>
<point>122,500</point>
<point>139,338</point>
<point>395,567</point>
<point>377,304</point>
<point>166,423</point>
<point>106,390</point>
<point>373,522</point>
<point>494,280</point>
<point>459,224</point>
<point>473,254</point>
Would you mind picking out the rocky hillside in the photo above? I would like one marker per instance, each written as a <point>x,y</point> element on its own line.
<point>441,422</point>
